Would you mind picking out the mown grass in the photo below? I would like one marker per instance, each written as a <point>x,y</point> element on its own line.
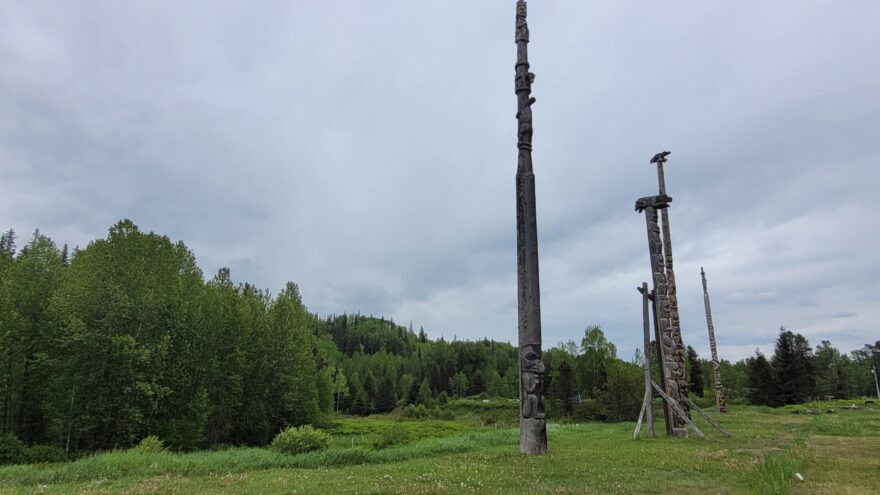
<point>762,457</point>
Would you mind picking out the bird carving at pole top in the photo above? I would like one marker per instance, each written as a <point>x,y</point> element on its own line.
<point>660,157</point>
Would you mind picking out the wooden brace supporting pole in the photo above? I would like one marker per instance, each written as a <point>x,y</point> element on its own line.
<point>645,405</point>
<point>678,410</point>
<point>708,418</point>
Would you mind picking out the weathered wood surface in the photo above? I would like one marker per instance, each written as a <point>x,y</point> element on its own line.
<point>671,363</point>
<point>671,287</point>
<point>716,365</point>
<point>679,411</point>
<point>533,429</point>
<point>705,416</point>
<point>646,330</point>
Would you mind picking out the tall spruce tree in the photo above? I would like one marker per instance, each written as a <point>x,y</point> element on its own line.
<point>793,368</point>
<point>761,384</point>
<point>386,395</point>
<point>695,372</point>
<point>564,386</point>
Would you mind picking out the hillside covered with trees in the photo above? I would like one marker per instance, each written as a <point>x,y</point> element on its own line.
<point>126,338</point>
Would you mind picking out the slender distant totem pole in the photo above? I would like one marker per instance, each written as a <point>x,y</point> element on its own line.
<point>532,427</point>
<point>671,369</point>
<point>716,365</point>
<point>672,292</point>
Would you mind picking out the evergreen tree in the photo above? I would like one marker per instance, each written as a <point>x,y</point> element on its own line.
<point>371,386</point>
<point>695,372</point>
<point>478,383</point>
<point>362,405</point>
<point>761,383</point>
<point>26,333</point>
<point>386,396</point>
<point>793,368</point>
<point>7,245</point>
<point>564,386</point>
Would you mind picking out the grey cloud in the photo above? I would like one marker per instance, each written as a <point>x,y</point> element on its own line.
<point>843,314</point>
<point>367,152</point>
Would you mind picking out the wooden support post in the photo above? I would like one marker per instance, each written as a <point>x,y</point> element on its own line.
<point>645,402</point>
<point>646,327</point>
<point>708,418</point>
<point>678,410</point>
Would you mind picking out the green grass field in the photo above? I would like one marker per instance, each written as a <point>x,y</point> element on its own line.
<point>835,453</point>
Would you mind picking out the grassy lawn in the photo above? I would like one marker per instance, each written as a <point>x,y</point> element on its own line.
<point>835,453</point>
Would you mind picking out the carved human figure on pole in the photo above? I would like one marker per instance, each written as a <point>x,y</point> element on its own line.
<point>522,26</point>
<point>533,382</point>
<point>524,115</point>
<point>533,430</point>
<point>671,368</point>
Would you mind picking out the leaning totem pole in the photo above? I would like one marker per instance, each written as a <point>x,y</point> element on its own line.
<point>665,306</point>
<point>672,291</point>
<point>532,427</point>
<point>716,366</point>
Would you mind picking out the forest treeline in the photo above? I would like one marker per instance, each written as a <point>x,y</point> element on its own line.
<point>126,338</point>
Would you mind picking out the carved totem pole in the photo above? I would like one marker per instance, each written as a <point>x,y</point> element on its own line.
<point>716,366</point>
<point>532,428</point>
<point>672,292</point>
<point>671,370</point>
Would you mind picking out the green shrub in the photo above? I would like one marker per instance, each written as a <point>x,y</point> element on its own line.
<point>40,454</point>
<point>498,417</point>
<point>442,413</point>
<point>151,444</point>
<point>416,411</point>
<point>392,437</point>
<point>588,410</point>
<point>11,450</point>
<point>300,440</point>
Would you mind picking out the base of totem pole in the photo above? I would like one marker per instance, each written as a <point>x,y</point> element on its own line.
<point>680,432</point>
<point>532,436</point>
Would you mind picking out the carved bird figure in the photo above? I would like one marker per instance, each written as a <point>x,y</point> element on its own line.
<point>660,157</point>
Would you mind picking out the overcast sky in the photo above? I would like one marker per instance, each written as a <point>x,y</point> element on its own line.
<point>367,151</point>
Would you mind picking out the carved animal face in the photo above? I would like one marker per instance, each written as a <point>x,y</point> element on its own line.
<point>531,362</point>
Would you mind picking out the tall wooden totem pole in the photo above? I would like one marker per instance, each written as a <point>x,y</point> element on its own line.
<point>532,427</point>
<point>671,347</point>
<point>675,323</point>
<point>716,366</point>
